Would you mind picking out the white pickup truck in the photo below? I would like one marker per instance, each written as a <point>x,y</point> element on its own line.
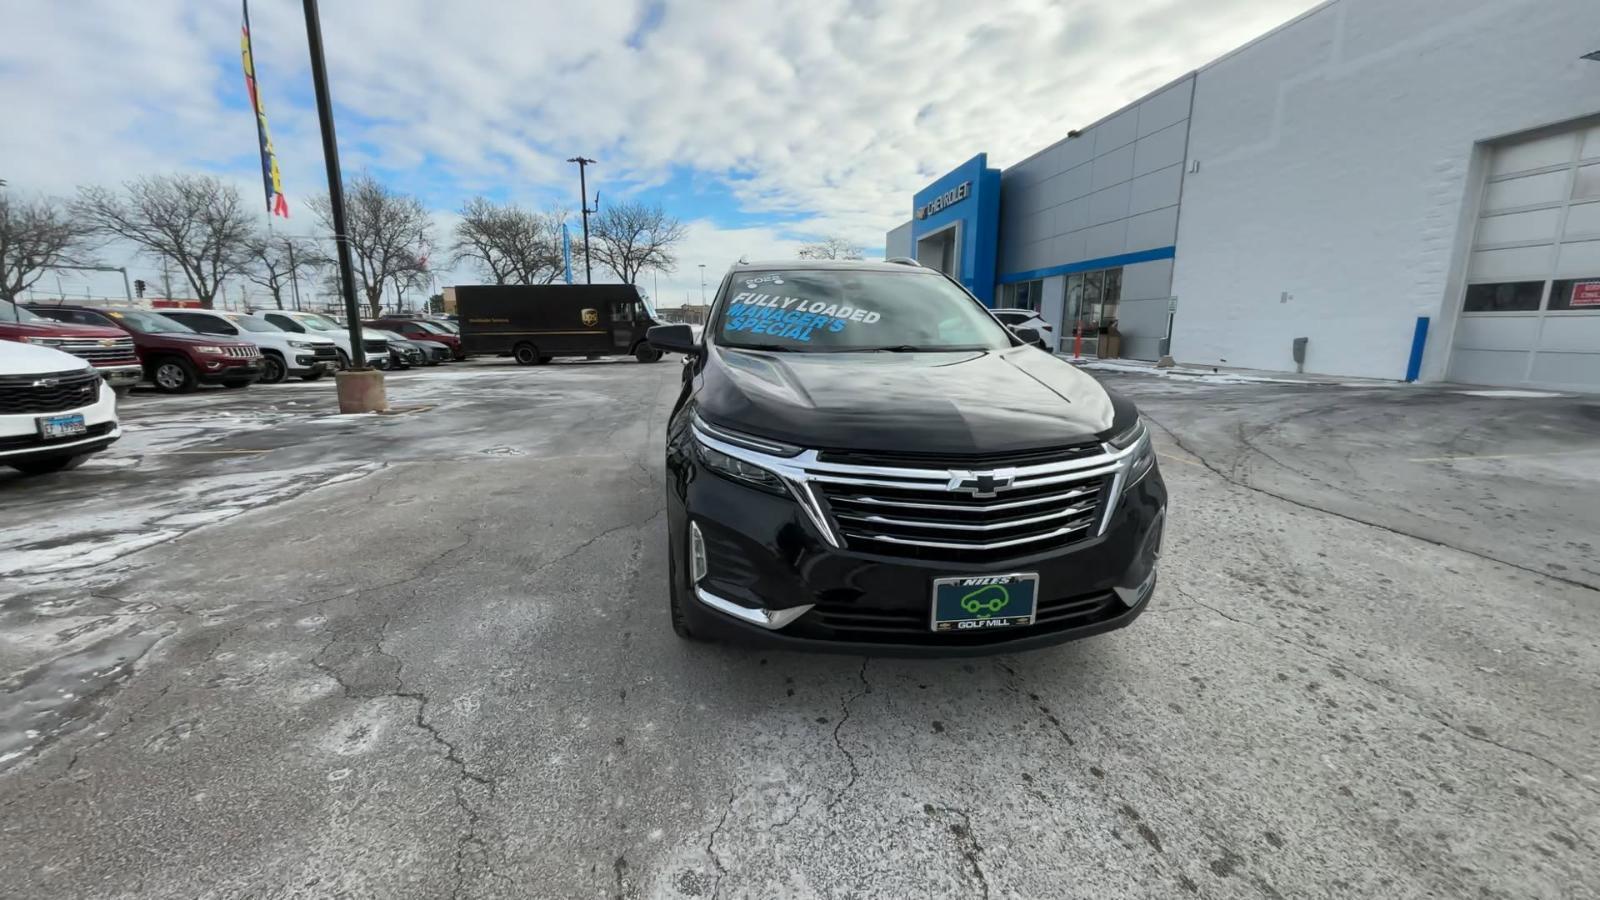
<point>55,410</point>
<point>319,325</point>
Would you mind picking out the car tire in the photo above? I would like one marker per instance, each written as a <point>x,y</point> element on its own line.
<point>647,354</point>
<point>311,376</point>
<point>527,355</point>
<point>123,391</point>
<point>344,359</point>
<point>235,385</point>
<point>174,375</point>
<point>273,370</point>
<point>53,464</point>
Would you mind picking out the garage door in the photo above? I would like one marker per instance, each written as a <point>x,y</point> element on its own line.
<point>1530,314</point>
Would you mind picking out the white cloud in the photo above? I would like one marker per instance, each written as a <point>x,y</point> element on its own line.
<point>833,110</point>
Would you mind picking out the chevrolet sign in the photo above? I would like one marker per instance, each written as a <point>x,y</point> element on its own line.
<point>949,198</point>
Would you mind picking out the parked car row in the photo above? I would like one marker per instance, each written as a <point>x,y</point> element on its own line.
<point>62,366</point>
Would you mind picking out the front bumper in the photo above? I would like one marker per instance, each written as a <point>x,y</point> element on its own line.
<point>121,376</point>
<point>765,558</point>
<point>20,440</point>
<point>307,364</point>
<point>229,370</point>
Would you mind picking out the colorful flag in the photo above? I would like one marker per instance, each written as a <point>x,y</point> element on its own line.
<point>277,204</point>
<point>566,250</point>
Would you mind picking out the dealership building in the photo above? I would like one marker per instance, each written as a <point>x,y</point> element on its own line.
<point>1412,188</point>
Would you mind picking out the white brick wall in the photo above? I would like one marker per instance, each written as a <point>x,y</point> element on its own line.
<point>1339,163</point>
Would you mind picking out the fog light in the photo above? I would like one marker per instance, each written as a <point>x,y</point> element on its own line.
<point>697,554</point>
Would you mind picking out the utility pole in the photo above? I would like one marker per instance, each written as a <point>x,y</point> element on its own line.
<point>583,204</point>
<point>702,284</point>
<point>363,392</point>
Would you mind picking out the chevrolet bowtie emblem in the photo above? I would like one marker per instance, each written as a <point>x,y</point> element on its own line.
<point>982,484</point>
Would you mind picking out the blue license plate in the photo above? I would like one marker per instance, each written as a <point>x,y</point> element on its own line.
<point>979,602</point>
<point>61,426</point>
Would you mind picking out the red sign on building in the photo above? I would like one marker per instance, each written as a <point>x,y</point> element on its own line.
<point>1586,293</point>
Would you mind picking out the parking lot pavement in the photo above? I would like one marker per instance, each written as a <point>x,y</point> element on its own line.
<point>427,654</point>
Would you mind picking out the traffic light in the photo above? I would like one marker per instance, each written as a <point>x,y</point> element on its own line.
<point>138,287</point>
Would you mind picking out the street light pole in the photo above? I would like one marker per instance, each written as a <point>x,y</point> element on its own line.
<point>364,392</point>
<point>702,284</point>
<point>583,205</point>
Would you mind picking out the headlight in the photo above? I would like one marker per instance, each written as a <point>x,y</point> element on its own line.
<point>206,348</point>
<point>1143,457</point>
<point>301,345</point>
<point>44,341</point>
<point>738,469</point>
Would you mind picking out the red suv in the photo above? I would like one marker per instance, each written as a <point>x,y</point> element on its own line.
<point>422,330</point>
<point>109,350</point>
<point>175,357</point>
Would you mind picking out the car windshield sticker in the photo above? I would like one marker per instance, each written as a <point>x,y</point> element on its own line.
<point>753,283</point>
<point>794,318</point>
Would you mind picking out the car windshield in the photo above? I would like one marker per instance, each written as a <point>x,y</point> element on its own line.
<point>852,310</point>
<point>430,327</point>
<point>247,323</point>
<point>10,312</point>
<point>318,323</point>
<point>447,327</point>
<point>149,323</point>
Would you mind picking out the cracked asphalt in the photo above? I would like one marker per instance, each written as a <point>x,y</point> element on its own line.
<point>261,650</point>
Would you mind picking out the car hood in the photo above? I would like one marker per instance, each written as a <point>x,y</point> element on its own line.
<point>60,330</point>
<point>209,340</point>
<point>26,359</point>
<point>970,402</point>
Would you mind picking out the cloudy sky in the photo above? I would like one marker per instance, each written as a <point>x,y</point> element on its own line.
<point>761,124</point>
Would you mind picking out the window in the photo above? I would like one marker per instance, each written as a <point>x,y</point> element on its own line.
<point>1576,293</point>
<point>1092,299</point>
<point>1021,295</point>
<point>284,322</point>
<point>203,323</point>
<point>149,322</point>
<point>834,311</point>
<point>1510,296</point>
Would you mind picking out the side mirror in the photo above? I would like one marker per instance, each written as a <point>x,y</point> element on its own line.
<point>673,339</point>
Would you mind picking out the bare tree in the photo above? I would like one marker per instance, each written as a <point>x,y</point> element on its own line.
<point>830,247</point>
<point>389,234</point>
<point>35,237</point>
<point>633,238</point>
<point>509,244</point>
<point>278,260</point>
<point>198,222</point>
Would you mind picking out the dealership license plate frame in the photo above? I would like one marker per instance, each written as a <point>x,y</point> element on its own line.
<point>63,426</point>
<point>952,624</point>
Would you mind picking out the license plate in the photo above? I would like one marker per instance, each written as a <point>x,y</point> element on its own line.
<point>61,426</point>
<point>977,602</point>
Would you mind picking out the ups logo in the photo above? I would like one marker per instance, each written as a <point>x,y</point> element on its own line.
<point>591,317</point>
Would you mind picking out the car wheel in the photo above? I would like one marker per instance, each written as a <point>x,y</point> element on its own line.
<point>53,464</point>
<point>123,391</point>
<point>528,355</point>
<point>175,376</point>
<point>273,371</point>
<point>344,359</point>
<point>647,354</point>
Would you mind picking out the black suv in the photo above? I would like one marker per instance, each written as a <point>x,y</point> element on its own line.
<point>864,459</point>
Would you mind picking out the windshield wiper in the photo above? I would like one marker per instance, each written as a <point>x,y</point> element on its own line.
<point>774,348</point>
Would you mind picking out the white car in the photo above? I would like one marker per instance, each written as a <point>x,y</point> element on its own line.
<point>319,325</point>
<point>55,409</point>
<point>283,354</point>
<point>1027,318</point>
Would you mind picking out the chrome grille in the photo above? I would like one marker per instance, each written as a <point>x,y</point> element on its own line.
<point>100,350</point>
<point>240,352</point>
<point>945,508</point>
<point>325,351</point>
<point>52,393</point>
<point>944,513</point>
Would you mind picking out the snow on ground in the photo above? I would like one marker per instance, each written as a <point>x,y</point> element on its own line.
<point>1527,395</point>
<point>1211,376</point>
<point>35,549</point>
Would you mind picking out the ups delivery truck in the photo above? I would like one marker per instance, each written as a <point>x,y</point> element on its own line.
<point>536,323</point>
